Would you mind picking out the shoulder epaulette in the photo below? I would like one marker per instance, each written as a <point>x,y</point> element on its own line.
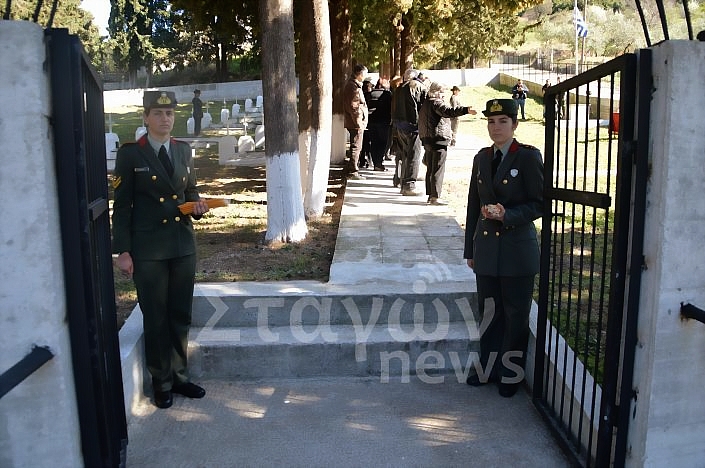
<point>527,146</point>
<point>178,142</point>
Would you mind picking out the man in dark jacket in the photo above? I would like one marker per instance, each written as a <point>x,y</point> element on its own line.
<point>156,243</point>
<point>405,118</point>
<point>379,104</point>
<point>197,112</point>
<point>436,134</point>
<point>504,199</point>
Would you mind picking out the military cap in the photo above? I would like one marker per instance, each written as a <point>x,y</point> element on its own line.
<point>159,99</point>
<point>455,88</point>
<point>500,107</point>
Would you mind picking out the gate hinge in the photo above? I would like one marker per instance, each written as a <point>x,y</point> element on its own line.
<point>614,416</point>
<point>629,149</point>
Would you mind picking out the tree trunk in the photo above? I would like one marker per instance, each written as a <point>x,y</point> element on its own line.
<point>340,40</point>
<point>285,214</point>
<point>315,105</point>
<point>407,46</point>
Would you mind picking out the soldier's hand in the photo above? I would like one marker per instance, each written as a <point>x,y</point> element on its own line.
<point>495,212</point>
<point>200,207</point>
<point>471,263</point>
<point>124,263</point>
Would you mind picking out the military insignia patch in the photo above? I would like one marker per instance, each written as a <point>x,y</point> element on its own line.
<point>496,107</point>
<point>116,182</point>
<point>164,99</point>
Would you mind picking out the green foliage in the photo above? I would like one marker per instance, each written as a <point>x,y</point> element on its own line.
<point>69,15</point>
<point>130,26</point>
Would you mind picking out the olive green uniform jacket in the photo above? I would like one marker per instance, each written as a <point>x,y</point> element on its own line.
<point>146,218</point>
<point>508,248</point>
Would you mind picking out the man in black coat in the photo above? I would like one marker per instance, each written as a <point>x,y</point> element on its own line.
<point>155,242</point>
<point>501,245</point>
<point>197,112</point>
<point>405,117</point>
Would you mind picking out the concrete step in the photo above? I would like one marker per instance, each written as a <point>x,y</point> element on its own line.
<point>315,304</point>
<point>290,351</point>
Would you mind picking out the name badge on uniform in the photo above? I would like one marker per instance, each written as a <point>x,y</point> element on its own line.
<point>142,169</point>
<point>514,172</point>
<point>188,169</point>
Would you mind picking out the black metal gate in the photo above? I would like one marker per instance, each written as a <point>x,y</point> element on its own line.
<point>79,144</point>
<point>591,255</point>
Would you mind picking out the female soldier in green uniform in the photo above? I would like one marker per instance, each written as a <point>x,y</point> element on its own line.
<point>156,244</point>
<point>505,197</point>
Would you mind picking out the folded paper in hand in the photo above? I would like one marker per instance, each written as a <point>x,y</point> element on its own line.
<point>187,208</point>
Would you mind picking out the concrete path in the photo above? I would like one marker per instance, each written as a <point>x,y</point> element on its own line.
<point>429,420</point>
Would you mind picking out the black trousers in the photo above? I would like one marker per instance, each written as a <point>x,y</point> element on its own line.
<point>165,295</point>
<point>504,305</point>
<point>197,125</point>
<point>379,142</point>
<point>411,152</point>
<point>435,158</point>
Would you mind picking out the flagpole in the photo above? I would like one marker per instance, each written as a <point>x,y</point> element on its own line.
<point>582,45</point>
<point>575,8</point>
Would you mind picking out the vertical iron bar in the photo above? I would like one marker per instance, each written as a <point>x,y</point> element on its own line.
<point>619,262</point>
<point>641,173</point>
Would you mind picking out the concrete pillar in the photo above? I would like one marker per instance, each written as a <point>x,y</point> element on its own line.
<point>39,417</point>
<point>668,416</point>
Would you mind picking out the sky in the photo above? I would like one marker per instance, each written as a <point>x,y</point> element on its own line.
<point>101,12</point>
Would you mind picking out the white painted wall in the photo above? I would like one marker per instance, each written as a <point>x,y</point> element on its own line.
<point>668,423</point>
<point>38,418</point>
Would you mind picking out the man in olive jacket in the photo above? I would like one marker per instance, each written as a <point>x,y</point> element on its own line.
<point>501,246</point>
<point>156,243</point>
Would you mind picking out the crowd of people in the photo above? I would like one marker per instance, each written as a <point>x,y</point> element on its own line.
<point>405,118</point>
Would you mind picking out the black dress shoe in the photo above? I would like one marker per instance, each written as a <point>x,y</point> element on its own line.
<point>508,390</point>
<point>163,399</point>
<point>189,390</point>
<point>474,380</point>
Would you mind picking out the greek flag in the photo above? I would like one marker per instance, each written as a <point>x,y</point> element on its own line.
<point>581,28</point>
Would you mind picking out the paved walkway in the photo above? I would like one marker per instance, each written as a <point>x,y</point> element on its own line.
<point>359,422</point>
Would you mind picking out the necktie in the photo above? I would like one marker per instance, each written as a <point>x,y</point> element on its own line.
<point>166,162</point>
<point>495,162</point>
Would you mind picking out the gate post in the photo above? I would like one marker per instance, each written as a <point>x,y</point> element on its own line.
<point>39,415</point>
<point>668,409</point>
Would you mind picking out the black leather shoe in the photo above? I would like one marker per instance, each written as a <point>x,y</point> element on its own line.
<point>508,390</point>
<point>474,380</point>
<point>163,399</point>
<point>189,390</point>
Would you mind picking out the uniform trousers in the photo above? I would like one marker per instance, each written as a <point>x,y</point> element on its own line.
<point>165,294</point>
<point>435,159</point>
<point>504,303</point>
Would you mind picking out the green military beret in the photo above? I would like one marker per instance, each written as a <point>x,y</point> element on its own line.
<point>158,99</point>
<point>500,107</point>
